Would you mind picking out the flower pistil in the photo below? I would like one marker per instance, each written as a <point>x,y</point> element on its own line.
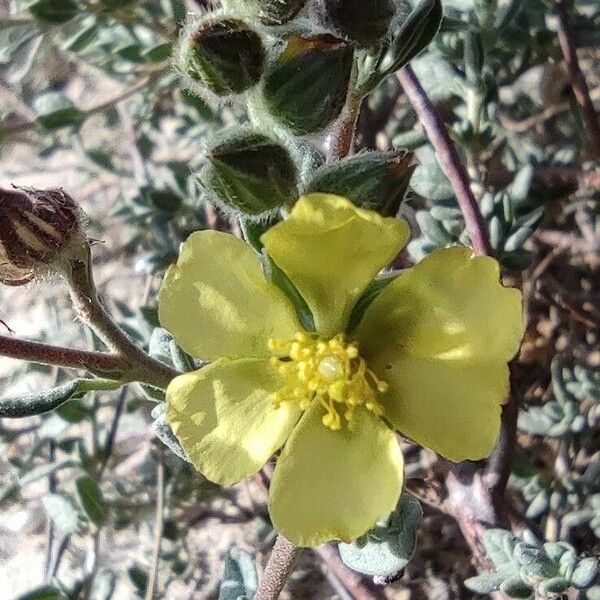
<point>329,371</point>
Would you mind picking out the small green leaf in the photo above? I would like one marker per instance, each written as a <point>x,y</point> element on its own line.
<point>92,501</point>
<point>54,110</point>
<point>53,11</point>
<point>515,587</point>
<point>45,592</point>
<point>585,572</point>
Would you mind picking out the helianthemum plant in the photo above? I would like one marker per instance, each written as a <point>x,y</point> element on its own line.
<point>427,358</point>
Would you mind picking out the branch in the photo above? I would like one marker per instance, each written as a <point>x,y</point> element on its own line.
<point>278,569</point>
<point>578,82</point>
<point>448,159</point>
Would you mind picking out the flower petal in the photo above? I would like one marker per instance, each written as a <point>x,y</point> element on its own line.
<point>447,406</point>
<point>225,419</point>
<point>451,306</point>
<point>217,303</point>
<point>441,335</point>
<point>335,485</point>
<point>331,250</point>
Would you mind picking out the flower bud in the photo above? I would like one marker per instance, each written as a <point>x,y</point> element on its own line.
<point>38,229</point>
<point>366,23</point>
<point>374,180</point>
<point>277,12</point>
<point>250,174</point>
<point>306,87</point>
<point>225,55</point>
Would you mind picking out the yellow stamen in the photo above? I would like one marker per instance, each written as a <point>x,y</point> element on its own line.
<point>331,372</point>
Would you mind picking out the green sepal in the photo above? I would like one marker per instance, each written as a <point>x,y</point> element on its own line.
<point>250,174</point>
<point>374,180</point>
<point>366,23</point>
<point>306,87</point>
<point>225,55</point>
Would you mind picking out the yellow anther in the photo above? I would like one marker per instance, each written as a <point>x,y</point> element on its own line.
<point>329,371</point>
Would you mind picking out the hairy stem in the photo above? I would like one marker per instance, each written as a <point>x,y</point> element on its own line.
<point>278,569</point>
<point>448,159</point>
<point>578,82</point>
<point>85,299</point>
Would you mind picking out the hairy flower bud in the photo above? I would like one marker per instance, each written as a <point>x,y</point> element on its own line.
<point>306,87</point>
<point>366,23</point>
<point>250,174</point>
<point>374,180</point>
<point>225,55</point>
<point>277,12</point>
<point>38,229</point>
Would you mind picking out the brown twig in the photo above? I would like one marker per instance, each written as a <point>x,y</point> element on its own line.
<point>578,82</point>
<point>278,569</point>
<point>108,365</point>
<point>448,159</point>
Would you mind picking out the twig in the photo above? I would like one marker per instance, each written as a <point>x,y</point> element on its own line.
<point>140,85</point>
<point>578,82</point>
<point>110,440</point>
<point>158,529</point>
<point>278,569</point>
<point>448,159</point>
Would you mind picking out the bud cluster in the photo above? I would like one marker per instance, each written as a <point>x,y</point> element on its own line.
<point>296,64</point>
<point>39,229</point>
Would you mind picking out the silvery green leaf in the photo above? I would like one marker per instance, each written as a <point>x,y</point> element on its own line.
<point>515,587</point>
<point>165,434</point>
<point>37,403</point>
<point>45,592</point>
<point>240,579</point>
<point>386,550</point>
<point>585,572</point>
<point>64,512</point>
<point>556,585</point>
<point>491,582</point>
<point>499,545</point>
<point>429,180</point>
<point>437,76</point>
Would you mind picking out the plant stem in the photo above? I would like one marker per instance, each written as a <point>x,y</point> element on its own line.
<point>108,365</point>
<point>158,529</point>
<point>278,569</point>
<point>578,82</point>
<point>448,159</point>
<point>85,299</point>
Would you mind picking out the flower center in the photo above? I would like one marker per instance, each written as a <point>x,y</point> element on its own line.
<point>330,372</point>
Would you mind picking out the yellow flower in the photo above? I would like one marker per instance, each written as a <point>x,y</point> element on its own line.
<point>428,358</point>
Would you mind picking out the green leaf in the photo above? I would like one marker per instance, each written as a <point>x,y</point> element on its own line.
<point>385,551</point>
<point>54,110</point>
<point>240,578</point>
<point>91,499</point>
<point>64,512</point>
<point>45,592</point>
<point>37,403</point>
<point>53,11</point>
